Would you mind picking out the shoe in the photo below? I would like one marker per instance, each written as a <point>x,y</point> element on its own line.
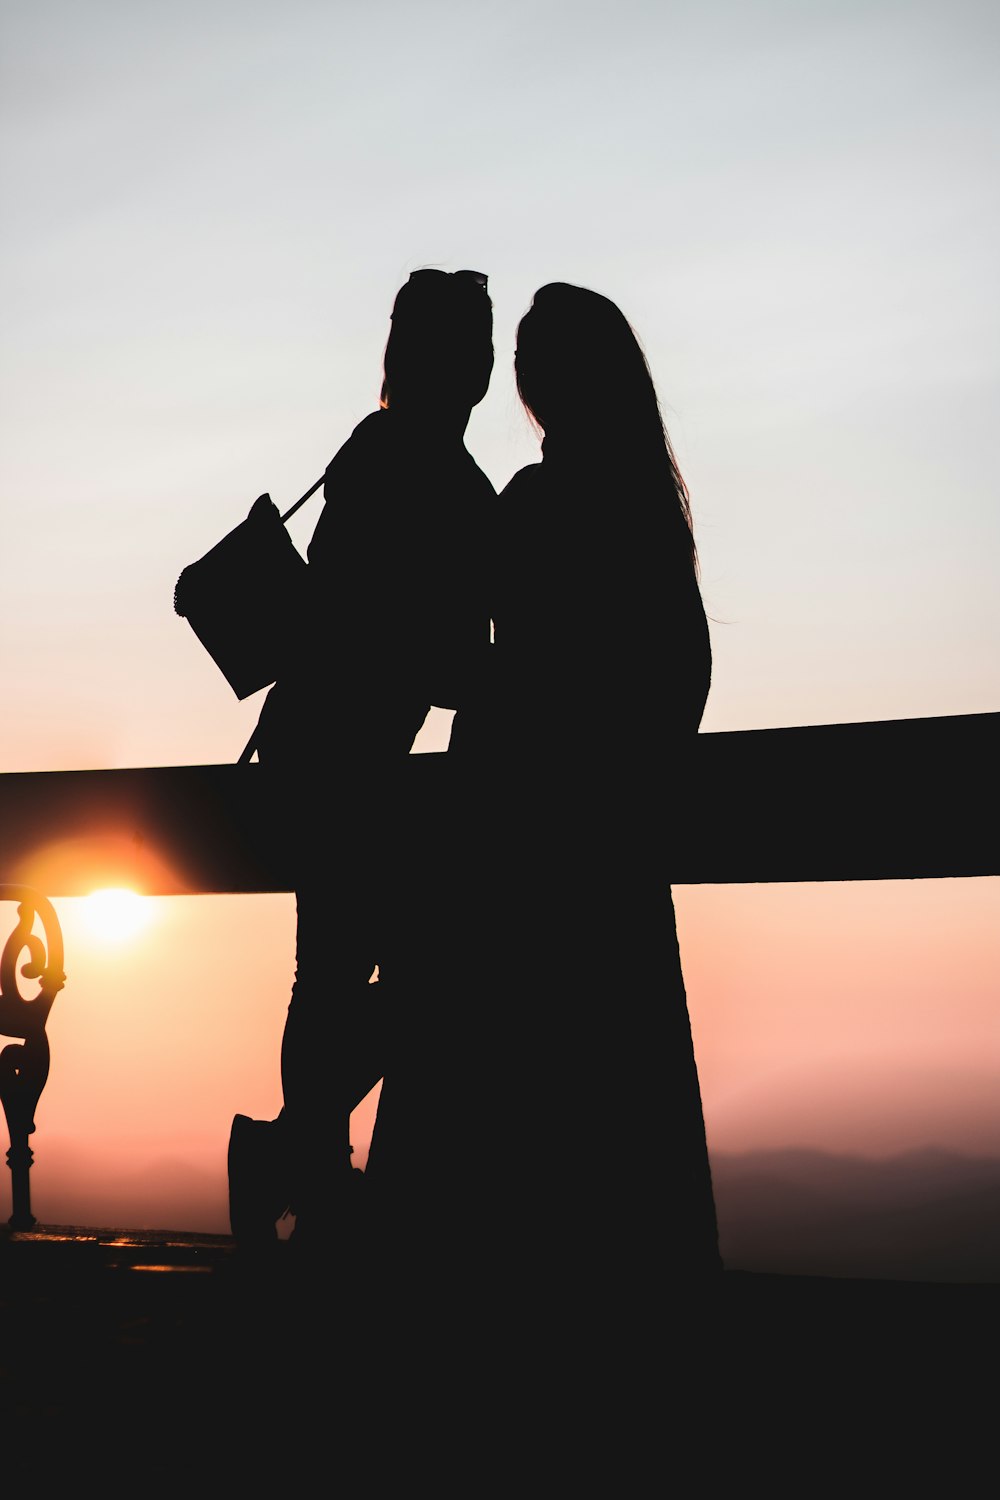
<point>258,1180</point>
<point>336,1220</point>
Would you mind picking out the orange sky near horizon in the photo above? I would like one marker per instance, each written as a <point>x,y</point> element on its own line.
<point>854,1017</point>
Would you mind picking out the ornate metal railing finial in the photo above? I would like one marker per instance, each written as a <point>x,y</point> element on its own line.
<point>24,1065</point>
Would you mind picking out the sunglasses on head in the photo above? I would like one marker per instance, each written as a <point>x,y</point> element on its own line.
<point>477,278</point>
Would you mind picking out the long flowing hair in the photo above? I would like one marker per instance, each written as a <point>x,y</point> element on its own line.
<point>583,378</point>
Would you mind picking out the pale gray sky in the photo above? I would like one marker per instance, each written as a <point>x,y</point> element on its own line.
<point>207,209</point>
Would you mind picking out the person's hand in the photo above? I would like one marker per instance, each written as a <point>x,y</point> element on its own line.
<point>262,505</point>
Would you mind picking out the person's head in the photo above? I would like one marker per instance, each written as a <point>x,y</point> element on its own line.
<point>440,348</point>
<point>583,378</point>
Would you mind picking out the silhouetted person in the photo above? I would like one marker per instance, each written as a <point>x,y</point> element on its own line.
<point>395,616</point>
<point>605,666</point>
<point>599,676</point>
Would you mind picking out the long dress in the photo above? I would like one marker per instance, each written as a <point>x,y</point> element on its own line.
<point>601,670</point>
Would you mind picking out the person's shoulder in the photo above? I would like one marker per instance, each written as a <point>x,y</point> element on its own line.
<point>522,483</point>
<point>364,436</point>
<point>372,428</point>
<point>480,477</point>
<point>358,452</point>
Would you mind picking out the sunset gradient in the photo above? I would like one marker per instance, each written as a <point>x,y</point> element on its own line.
<point>209,208</point>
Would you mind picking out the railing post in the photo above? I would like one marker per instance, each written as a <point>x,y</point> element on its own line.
<point>24,1066</point>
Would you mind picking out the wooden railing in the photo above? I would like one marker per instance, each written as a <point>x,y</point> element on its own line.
<point>896,799</point>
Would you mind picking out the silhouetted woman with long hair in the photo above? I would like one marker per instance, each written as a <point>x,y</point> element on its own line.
<point>601,671</point>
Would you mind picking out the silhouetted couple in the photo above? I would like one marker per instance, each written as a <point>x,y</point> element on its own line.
<point>540,1114</point>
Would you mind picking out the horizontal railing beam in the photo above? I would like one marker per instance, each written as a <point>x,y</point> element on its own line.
<point>895,799</point>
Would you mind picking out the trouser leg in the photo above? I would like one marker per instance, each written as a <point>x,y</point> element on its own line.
<point>329,1047</point>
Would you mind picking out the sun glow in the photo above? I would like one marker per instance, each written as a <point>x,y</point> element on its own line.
<point>116,915</point>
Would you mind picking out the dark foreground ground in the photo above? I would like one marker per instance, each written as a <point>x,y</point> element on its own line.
<point>160,1361</point>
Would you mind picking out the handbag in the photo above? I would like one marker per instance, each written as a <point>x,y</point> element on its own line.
<point>244,597</point>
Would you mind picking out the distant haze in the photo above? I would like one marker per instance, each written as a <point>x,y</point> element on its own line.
<point>920,1216</point>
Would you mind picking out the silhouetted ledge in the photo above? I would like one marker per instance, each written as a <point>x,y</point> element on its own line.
<point>894,799</point>
<point>114,1373</point>
<point>59,1259</point>
<point>171,1273</point>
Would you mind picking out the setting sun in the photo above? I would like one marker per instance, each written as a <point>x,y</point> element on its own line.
<point>116,915</point>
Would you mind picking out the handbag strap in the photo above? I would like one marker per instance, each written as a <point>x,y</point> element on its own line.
<point>247,753</point>
<point>305,497</point>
